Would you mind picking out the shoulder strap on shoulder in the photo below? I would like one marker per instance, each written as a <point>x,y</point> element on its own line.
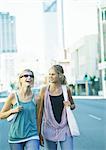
<point>64,88</point>
<point>33,98</point>
<point>16,97</point>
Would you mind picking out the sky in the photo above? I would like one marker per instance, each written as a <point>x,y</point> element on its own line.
<point>79,19</point>
<point>29,30</point>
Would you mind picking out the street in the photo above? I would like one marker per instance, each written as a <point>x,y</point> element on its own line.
<point>91,118</point>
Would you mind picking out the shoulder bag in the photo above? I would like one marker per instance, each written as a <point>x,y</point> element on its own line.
<point>70,116</point>
<point>12,117</point>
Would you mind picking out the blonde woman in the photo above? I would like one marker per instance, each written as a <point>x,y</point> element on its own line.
<point>23,133</point>
<point>52,112</point>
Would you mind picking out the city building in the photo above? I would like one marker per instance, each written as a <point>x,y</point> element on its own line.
<point>7,48</point>
<point>78,60</point>
<point>54,47</point>
<point>102,44</point>
<point>53,32</point>
<point>84,65</point>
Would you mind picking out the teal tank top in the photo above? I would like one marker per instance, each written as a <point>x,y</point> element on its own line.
<point>25,125</point>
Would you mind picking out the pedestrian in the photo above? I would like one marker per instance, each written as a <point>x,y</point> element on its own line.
<point>23,133</point>
<point>53,125</point>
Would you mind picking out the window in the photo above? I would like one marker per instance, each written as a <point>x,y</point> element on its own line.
<point>50,6</point>
<point>104,14</point>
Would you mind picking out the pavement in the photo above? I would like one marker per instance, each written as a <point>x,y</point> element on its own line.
<point>74,97</point>
<point>89,97</point>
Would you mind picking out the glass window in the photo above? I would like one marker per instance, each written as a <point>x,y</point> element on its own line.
<point>50,6</point>
<point>104,14</point>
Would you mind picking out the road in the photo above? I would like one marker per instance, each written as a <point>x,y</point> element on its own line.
<point>91,118</point>
<point>4,127</point>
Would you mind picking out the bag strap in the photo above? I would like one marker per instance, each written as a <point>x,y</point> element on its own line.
<point>33,98</point>
<point>17,98</point>
<point>64,88</point>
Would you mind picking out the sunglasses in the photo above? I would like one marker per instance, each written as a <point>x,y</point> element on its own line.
<point>27,75</point>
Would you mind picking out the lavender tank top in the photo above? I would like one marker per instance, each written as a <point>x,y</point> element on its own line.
<point>51,129</point>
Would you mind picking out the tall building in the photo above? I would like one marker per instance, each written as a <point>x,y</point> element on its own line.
<point>102,44</point>
<point>53,28</point>
<point>7,48</point>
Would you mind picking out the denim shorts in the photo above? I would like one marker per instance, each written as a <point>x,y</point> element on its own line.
<point>65,145</point>
<point>28,145</point>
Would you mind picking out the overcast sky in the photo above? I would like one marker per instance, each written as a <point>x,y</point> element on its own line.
<point>28,22</point>
<point>29,29</point>
<point>80,19</point>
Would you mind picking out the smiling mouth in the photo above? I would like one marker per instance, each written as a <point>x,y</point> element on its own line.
<point>28,81</point>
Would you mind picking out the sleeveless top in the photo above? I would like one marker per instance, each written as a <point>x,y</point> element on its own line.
<point>51,129</point>
<point>57,106</point>
<point>24,127</point>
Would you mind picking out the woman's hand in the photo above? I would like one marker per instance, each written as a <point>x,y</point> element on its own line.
<point>41,140</point>
<point>67,103</point>
<point>17,109</point>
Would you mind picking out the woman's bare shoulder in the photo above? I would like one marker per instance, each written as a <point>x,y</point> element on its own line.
<point>11,97</point>
<point>43,89</point>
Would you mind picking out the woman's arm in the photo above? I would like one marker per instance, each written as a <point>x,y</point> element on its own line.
<point>7,110</point>
<point>40,104</point>
<point>70,98</point>
<point>40,107</point>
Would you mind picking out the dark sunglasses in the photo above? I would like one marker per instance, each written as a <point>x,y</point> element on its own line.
<point>27,75</point>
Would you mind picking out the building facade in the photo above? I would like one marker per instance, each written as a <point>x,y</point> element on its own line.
<point>84,64</point>
<point>78,60</point>
<point>7,48</point>
<point>102,44</point>
<point>53,32</point>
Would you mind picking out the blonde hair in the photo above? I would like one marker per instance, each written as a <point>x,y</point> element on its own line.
<point>20,74</point>
<point>60,71</point>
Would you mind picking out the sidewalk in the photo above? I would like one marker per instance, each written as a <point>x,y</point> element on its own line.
<point>89,97</point>
<point>74,97</point>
